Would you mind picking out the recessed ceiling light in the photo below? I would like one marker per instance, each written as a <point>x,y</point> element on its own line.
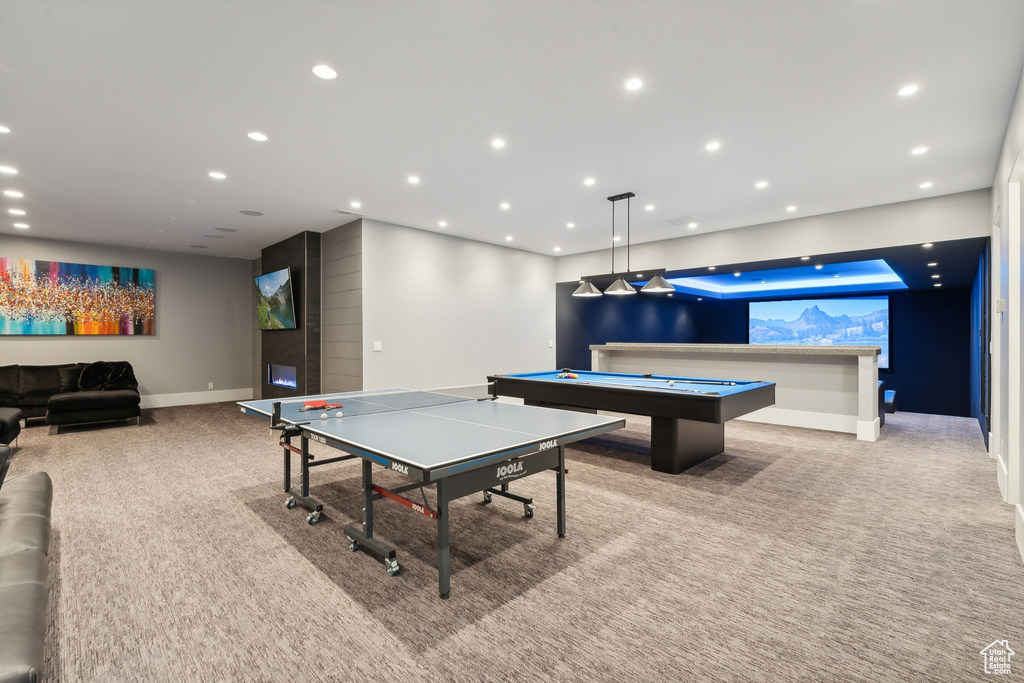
<point>919,150</point>
<point>589,181</point>
<point>926,185</point>
<point>16,212</point>
<point>933,264</point>
<point>443,224</point>
<point>700,298</point>
<point>836,275</point>
<point>257,136</point>
<point>937,284</point>
<point>218,175</point>
<point>907,90</point>
<point>634,84</point>
<point>737,274</point>
<point>250,212</point>
<point>504,206</point>
<point>225,230</point>
<point>4,129</point>
<point>617,238</point>
<point>935,277</point>
<point>356,205</point>
<point>323,71</point>
<point>570,225</point>
<point>13,193</point>
<point>414,180</point>
<point>818,267</point>
<point>649,207</point>
<point>558,249</point>
<point>713,146</point>
<point>927,245</point>
<point>805,258</point>
<point>791,208</point>
<point>711,267</point>
<point>9,170</point>
<point>508,238</point>
<point>21,226</point>
<point>763,282</point>
<point>497,143</point>
<point>761,184</point>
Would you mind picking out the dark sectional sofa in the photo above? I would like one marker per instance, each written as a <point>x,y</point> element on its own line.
<point>73,393</point>
<point>25,502</point>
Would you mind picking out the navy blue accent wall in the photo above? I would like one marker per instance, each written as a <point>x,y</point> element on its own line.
<point>932,337</point>
<point>580,322</point>
<point>979,346</point>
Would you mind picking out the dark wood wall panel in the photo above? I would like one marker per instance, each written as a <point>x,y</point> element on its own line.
<point>299,347</point>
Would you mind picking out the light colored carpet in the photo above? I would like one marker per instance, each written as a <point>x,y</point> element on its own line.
<point>796,555</point>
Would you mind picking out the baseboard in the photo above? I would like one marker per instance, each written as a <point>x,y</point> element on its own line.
<point>1003,478</point>
<point>829,422</point>
<point>1019,525</point>
<point>192,398</point>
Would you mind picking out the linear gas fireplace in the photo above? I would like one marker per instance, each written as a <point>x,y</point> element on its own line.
<point>282,376</point>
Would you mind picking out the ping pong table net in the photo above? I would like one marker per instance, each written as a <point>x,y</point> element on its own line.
<point>369,403</point>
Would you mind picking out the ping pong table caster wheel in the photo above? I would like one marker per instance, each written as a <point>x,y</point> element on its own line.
<point>391,567</point>
<point>487,497</point>
<point>313,518</point>
<point>352,545</point>
<point>527,510</point>
<point>290,503</point>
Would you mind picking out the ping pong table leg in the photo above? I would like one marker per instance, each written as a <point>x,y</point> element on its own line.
<point>560,491</point>
<point>443,559</point>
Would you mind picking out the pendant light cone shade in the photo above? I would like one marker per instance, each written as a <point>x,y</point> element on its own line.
<point>587,289</point>
<point>620,286</point>
<point>657,284</point>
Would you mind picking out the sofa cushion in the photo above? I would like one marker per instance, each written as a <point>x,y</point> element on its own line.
<point>10,385</point>
<point>106,375</point>
<point>77,417</point>
<point>69,375</point>
<point>25,502</point>
<point>39,380</point>
<point>93,400</point>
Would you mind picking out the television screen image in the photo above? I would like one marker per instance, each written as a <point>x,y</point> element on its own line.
<point>274,306</point>
<point>849,321</point>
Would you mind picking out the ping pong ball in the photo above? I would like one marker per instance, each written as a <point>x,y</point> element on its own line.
<point>671,382</point>
<point>338,414</point>
<point>323,416</point>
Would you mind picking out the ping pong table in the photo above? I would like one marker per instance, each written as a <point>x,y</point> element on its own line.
<point>460,445</point>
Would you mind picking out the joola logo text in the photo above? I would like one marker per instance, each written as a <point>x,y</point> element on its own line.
<point>545,445</point>
<point>509,469</point>
<point>399,468</point>
<point>318,439</point>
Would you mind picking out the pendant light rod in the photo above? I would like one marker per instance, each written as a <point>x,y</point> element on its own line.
<point>614,198</point>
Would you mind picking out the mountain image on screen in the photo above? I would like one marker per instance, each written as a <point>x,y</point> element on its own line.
<point>275,309</point>
<point>815,327</point>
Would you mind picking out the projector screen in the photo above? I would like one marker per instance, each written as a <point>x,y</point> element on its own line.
<point>847,321</point>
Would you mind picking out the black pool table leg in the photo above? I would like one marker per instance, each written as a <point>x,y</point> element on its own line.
<point>679,444</point>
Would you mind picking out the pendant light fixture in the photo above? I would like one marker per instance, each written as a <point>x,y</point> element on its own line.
<point>620,287</point>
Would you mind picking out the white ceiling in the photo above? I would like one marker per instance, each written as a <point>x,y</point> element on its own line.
<point>119,109</point>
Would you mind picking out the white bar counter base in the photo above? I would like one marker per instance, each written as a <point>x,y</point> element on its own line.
<point>834,388</point>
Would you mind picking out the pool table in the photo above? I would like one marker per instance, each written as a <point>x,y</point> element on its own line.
<point>687,414</point>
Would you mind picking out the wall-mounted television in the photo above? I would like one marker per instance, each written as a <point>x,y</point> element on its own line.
<point>841,321</point>
<point>275,308</point>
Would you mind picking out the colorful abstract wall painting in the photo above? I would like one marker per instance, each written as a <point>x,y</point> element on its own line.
<point>53,298</point>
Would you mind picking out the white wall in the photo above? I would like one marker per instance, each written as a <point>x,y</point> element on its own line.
<point>1008,325</point>
<point>203,323</point>
<point>450,311</point>
<point>949,217</point>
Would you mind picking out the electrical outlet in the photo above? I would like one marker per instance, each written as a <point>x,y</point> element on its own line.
<point>211,386</point>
